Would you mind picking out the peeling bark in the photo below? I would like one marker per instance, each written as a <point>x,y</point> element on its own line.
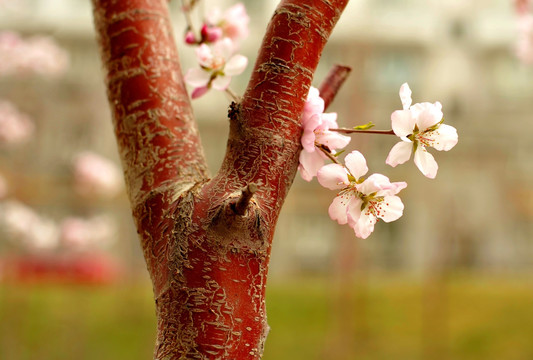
<point>207,241</point>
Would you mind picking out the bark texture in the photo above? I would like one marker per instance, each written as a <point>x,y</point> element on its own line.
<point>207,241</point>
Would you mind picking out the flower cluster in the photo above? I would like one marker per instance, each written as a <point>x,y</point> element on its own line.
<point>15,127</point>
<point>39,54</point>
<point>420,126</point>
<point>217,46</point>
<point>80,233</point>
<point>95,175</point>
<point>361,202</point>
<point>232,24</point>
<point>316,135</point>
<point>33,231</point>
<point>217,66</point>
<point>23,224</point>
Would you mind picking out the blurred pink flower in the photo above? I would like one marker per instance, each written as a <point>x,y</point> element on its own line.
<point>316,125</point>
<point>361,202</point>
<point>190,38</point>
<point>217,66</point>
<point>15,127</point>
<point>524,45</point>
<point>39,54</point>
<point>232,24</point>
<point>211,34</point>
<point>522,6</point>
<point>24,225</point>
<point>420,126</point>
<point>95,175</point>
<point>79,233</point>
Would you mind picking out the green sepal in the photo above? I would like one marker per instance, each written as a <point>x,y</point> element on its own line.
<point>338,153</point>
<point>436,126</point>
<point>365,126</point>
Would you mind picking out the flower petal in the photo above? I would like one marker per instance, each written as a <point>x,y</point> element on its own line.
<point>333,140</point>
<point>356,164</point>
<point>308,137</point>
<point>333,177</point>
<point>425,162</point>
<point>374,184</point>
<point>197,77</point>
<point>444,138</point>
<point>403,123</point>
<point>391,208</point>
<point>313,105</point>
<point>365,225</point>
<point>353,210</point>
<point>427,115</point>
<point>221,82</point>
<point>337,209</point>
<point>224,48</point>
<point>236,65</point>
<point>204,55</point>
<point>200,91</point>
<point>405,96</point>
<point>400,153</point>
<point>310,163</point>
<point>329,120</point>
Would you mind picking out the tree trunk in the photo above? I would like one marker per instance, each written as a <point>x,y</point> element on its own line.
<point>207,241</point>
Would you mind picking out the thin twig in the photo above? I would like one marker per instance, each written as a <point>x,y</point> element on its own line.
<point>326,151</point>
<point>187,8</point>
<point>351,131</point>
<point>332,83</point>
<point>242,204</point>
<point>233,95</point>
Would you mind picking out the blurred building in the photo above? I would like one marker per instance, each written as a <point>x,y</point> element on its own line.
<point>477,214</point>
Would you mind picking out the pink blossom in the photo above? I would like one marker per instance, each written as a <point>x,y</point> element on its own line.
<point>524,45</point>
<point>316,125</point>
<point>96,176</point>
<point>232,24</point>
<point>25,226</point>
<point>15,127</point>
<point>39,54</point>
<point>420,126</point>
<point>211,34</point>
<point>217,66</point>
<point>190,38</point>
<point>83,233</point>
<point>361,202</point>
<point>522,6</point>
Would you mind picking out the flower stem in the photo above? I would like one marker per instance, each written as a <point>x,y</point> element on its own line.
<point>351,131</point>
<point>187,7</point>
<point>327,152</point>
<point>233,95</point>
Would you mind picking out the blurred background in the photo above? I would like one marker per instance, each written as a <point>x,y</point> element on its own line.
<point>450,280</point>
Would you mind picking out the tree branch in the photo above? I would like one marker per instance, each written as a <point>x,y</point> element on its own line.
<point>242,204</point>
<point>157,137</point>
<point>265,131</point>
<point>331,85</point>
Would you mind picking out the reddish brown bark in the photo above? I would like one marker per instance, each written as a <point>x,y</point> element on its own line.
<point>206,251</point>
<point>332,83</point>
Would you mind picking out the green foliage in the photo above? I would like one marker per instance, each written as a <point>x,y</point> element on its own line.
<point>456,318</point>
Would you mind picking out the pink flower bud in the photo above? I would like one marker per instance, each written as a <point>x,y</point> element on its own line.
<point>211,34</point>
<point>190,38</point>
